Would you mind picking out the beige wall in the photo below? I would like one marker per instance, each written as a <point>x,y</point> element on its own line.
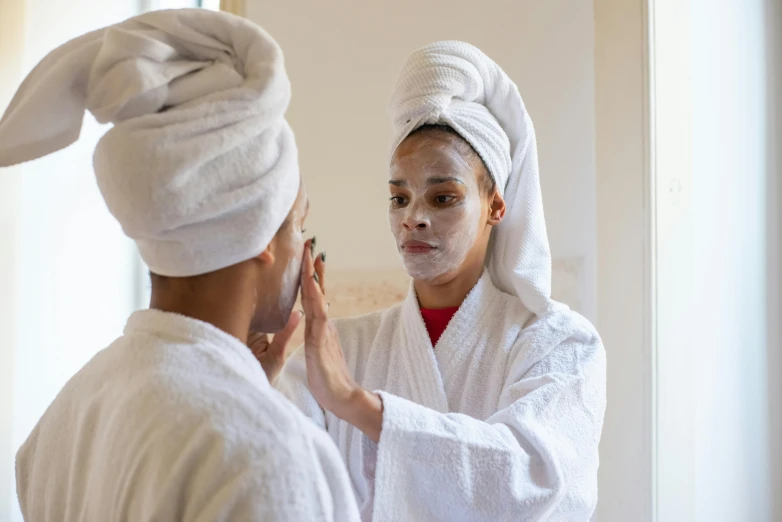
<point>342,57</point>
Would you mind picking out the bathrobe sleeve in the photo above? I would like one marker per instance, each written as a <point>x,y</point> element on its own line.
<point>534,459</point>
<point>293,383</point>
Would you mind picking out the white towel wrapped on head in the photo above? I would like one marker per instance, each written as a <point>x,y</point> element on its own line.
<point>456,84</point>
<point>200,168</point>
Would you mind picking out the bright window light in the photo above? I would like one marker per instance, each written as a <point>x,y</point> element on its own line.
<point>214,5</point>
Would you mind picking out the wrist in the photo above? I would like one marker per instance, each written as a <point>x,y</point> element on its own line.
<point>364,410</point>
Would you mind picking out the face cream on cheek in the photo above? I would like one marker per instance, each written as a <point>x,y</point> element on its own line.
<point>291,280</point>
<point>452,232</point>
<point>291,277</point>
<point>278,306</point>
<point>456,230</point>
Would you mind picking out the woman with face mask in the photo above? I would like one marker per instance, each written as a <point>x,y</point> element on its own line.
<point>176,420</point>
<point>488,396</point>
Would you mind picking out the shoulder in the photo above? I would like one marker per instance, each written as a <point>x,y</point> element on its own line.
<point>560,341</point>
<point>209,439</point>
<point>257,450</point>
<point>191,399</point>
<point>561,325</point>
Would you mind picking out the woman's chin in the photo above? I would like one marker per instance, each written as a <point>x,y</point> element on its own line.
<point>436,274</point>
<point>432,276</point>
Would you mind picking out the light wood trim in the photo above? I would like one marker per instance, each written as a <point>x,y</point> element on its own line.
<point>236,7</point>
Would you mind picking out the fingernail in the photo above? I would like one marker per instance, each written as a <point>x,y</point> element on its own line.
<point>317,279</point>
<point>312,244</point>
<point>323,256</point>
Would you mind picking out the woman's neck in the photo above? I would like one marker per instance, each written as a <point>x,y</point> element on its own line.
<point>221,300</point>
<point>450,290</point>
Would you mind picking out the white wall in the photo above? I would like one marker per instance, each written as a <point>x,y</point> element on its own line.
<point>688,186</point>
<point>624,251</point>
<point>673,258</point>
<point>714,450</point>
<point>342,57</point>
<point>11,33</point>
<point>732,460</point>
<point>774,268</point>
<point>67,270</point>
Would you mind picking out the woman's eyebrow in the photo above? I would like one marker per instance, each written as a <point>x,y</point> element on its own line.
<point>430,181</point>
<point>437,181</point>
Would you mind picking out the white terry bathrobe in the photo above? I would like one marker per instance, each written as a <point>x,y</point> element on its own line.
<point>501,419</point>
<point>176,420</point>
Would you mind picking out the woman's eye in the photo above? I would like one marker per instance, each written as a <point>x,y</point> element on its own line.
<point>444,199</point>
<point>397,200</point>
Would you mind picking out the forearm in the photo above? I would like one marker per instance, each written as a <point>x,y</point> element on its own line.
<point>364,410</point>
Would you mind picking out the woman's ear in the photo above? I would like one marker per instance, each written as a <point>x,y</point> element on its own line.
<point>267,256</point>
<point>496,209</point>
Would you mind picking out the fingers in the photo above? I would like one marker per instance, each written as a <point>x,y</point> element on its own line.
<point>282,337</point>
<point>258,343</point>
<point>320,270</point>
<point>314,266</point>
<point>308,283</point>
<point>309,249</point>
<point>312,298</point>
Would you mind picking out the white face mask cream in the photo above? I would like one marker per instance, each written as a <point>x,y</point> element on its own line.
<point>275,308</point>
<point>435,206</point>
<point>291,277</point>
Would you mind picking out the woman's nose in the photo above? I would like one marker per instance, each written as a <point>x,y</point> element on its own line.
<point>415,219</point>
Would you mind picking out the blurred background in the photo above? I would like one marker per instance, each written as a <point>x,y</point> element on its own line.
<point>659,127</point>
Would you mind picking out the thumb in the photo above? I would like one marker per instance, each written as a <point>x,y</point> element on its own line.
<point>258,343</point>
<point>282,337</point>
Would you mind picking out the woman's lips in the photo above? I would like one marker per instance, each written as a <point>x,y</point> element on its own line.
<point>417,247</point>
